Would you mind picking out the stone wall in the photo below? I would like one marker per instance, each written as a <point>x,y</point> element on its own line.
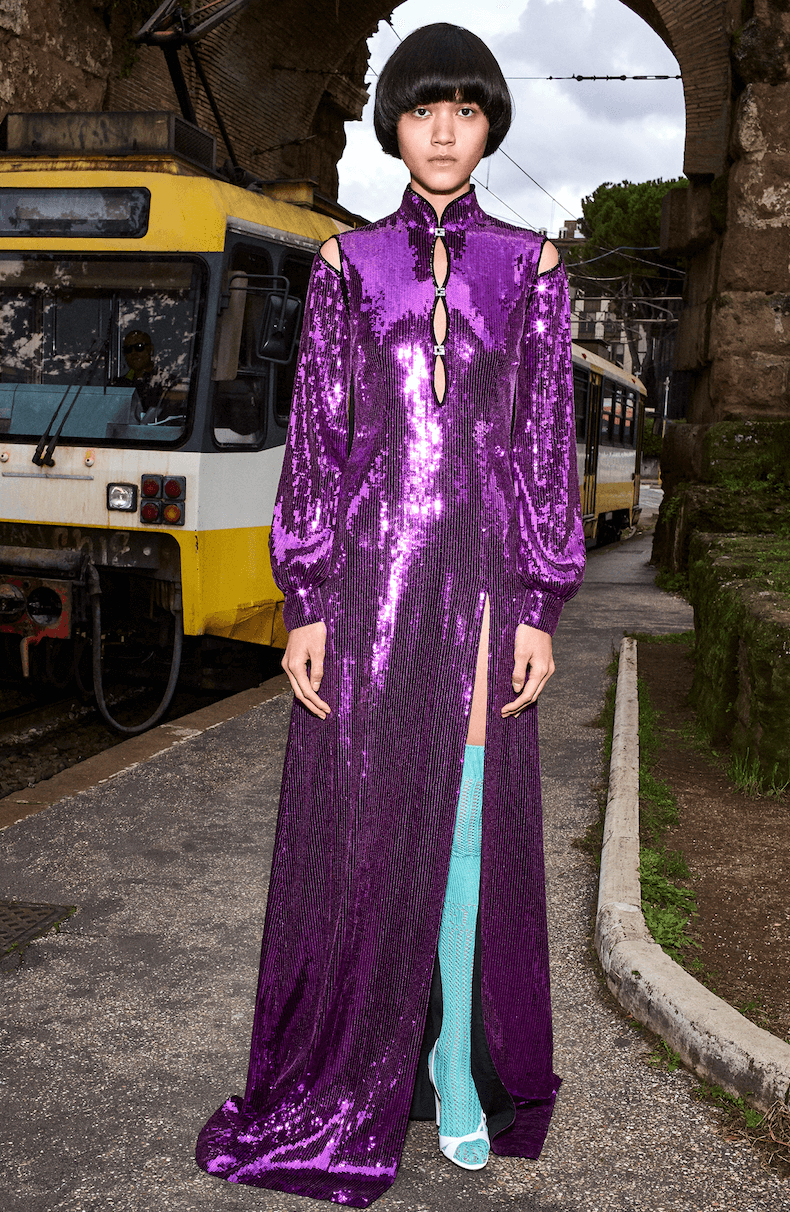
<point>724,525</point>
<point>740,586</point>
<point>725,478</point>
<point>54,54</point>
<point>734,334</point>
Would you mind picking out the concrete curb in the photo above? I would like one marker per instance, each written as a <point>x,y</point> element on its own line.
<point>712,1038</point>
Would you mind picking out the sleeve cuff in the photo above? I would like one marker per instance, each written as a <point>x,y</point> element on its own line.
<point>541,610</point>
<point>302,608</point>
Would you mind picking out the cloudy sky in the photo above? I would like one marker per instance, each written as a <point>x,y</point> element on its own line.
<point>570,136</point>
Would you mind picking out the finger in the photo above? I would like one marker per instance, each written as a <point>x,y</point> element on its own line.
<point>302,688</point>
<point>538,678</point>
<point>316,671</point>
<point>520,663</point>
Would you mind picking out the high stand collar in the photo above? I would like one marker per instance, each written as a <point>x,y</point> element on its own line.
<point>459,214</point>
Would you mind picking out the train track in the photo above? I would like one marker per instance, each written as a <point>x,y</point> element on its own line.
<point>37,742</point>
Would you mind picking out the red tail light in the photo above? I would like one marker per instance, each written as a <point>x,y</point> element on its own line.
<point>151,486</point>
<point>149,511</point>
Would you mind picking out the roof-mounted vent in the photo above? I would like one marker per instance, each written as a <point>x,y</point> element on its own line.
<point>108,134</point>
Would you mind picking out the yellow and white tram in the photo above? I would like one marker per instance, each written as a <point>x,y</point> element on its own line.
<point>148,317</point>
<point>610,417</point>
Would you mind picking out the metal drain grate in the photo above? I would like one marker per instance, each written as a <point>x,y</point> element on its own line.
<point>21,921</point>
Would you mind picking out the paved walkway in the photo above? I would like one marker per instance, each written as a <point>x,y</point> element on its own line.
<point>124,1031</point>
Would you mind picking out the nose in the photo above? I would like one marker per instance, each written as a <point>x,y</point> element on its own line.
<point>443,133</point>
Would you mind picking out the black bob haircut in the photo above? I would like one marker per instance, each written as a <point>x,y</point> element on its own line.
<point>441,63</point>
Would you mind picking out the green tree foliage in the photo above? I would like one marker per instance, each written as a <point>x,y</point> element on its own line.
<point>626,216</point>
<point>620,259</point>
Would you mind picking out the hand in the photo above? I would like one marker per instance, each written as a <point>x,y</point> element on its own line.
<point>532,648</point>
<point>306,648</point>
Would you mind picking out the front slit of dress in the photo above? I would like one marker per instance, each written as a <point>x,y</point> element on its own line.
<point>494,1098</point>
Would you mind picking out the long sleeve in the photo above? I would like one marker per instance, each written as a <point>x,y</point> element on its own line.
<point>551,546</point>
<point>305,512</point>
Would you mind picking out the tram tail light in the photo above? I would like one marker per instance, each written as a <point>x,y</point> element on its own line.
<point>162,500</point>
<point>175,488</point>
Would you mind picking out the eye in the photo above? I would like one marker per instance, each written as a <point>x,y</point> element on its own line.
<point>421,111</point>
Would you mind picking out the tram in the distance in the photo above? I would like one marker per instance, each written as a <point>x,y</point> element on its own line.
<point>610,417</point>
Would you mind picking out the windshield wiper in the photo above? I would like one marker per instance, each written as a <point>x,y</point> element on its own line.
<point>43,458</point>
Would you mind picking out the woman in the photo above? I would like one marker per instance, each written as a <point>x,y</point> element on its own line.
<point>426,536</point>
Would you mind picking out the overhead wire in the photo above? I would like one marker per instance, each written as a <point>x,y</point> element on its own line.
<point>579,77</point>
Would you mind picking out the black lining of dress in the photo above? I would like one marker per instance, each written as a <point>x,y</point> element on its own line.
<point>496,1102</point>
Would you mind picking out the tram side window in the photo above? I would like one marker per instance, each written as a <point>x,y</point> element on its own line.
<point>581,400</point>
<point>617,416</point>
<point>242,381</point>
<point>607,412</point>
<point>629,419</point>
<point>297,271</point>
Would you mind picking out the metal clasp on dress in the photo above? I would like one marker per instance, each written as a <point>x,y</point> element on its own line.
<point>438,351</point>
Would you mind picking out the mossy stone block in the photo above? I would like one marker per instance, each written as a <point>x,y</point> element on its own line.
<point>748,454</point>
<point>740,589</point>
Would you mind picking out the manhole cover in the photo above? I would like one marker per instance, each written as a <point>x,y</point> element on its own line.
<point>21,921</point>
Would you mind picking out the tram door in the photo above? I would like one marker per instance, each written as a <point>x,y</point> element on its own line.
<point>587,400</point>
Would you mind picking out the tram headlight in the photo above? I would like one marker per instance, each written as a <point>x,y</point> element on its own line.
<point>122,496</point>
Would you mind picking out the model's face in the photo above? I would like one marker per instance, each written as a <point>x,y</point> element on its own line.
<point>441,144</point>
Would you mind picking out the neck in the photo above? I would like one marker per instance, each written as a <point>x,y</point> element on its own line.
<point>439,202</point>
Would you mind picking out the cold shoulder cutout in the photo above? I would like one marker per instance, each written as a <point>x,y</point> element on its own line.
<point>549,257</point>
<point>330,252</point>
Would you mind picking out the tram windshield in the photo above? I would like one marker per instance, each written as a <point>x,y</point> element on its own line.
<point>98,350</point>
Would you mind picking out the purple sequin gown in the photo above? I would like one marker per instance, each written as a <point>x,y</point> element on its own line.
<point>396,514</point>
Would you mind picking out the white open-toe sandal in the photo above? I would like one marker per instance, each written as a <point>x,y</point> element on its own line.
<point>449,1144</point>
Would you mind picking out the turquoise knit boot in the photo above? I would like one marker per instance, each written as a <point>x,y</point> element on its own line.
<point>450,1062</point>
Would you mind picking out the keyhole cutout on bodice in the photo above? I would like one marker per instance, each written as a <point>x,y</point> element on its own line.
<point>440,264</point>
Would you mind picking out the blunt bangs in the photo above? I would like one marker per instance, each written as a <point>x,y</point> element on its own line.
<point>441,63</point>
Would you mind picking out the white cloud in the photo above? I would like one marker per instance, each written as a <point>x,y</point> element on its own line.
<point>569,135</point>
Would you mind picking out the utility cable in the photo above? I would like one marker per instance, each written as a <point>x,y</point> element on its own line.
<point>579,77</point>
<point>502,201</point>
<point>534,182</point>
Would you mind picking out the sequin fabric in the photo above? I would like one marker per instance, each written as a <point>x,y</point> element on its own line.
<point>397,513</point>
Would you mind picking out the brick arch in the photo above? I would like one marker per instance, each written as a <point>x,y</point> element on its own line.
<point>694,30</point>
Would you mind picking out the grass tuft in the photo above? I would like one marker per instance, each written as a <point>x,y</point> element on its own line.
<point>748,776</point>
